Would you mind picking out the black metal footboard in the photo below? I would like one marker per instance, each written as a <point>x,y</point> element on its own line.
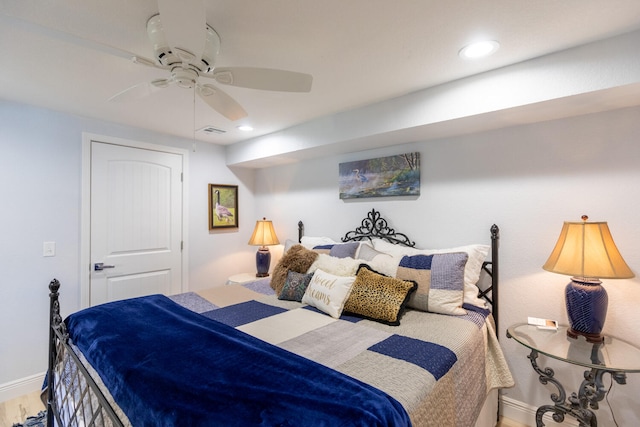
<point>73,398</point>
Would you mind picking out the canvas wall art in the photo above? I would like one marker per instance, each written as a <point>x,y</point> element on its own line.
<point>381,177</point>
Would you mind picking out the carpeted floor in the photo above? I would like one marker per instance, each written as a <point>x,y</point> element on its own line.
<point>39,420</point>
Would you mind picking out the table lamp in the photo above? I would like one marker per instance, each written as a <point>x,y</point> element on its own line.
<point>263,236</point>
<point>586,251</point>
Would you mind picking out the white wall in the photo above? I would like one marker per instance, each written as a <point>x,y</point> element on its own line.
<point>40,183</point>
<point>528,180</point>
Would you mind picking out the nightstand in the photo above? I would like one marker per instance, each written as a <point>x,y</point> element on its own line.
<point>238,279</point>
<point>612,356</point>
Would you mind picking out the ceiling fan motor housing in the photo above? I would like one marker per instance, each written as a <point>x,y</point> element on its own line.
<point>170,57</point>
<point>184,77</point>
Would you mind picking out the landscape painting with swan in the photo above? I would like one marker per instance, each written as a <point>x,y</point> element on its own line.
<point>380,177</point>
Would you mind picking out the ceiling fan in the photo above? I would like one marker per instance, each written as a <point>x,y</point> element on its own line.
<point>187,47</point>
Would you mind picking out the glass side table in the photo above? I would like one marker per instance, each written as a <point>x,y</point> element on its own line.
<point>611,356</point>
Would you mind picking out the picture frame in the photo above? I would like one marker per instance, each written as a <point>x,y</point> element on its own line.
<point>390,176</point>
<point>223,206</point>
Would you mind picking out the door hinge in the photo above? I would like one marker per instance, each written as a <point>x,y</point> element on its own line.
<point>181,177</point>
<point>181,245</point>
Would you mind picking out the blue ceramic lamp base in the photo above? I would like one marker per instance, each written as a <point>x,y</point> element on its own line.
<point>263,260</point>
<point>586,303</point>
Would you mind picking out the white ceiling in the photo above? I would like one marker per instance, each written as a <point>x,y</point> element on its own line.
<point>55,54</point>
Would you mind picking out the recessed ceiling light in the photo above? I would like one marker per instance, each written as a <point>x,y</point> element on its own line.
<point>245,128</point>
<point>479,49</point>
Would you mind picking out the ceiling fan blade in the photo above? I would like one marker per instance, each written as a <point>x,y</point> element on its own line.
<point>134,92</point>
<point>74,39</point>
<point>221,102</point>
<point>263,78</point>
<point>184,24</point>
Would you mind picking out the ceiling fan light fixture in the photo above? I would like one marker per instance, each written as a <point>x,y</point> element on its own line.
<point>479,49</point>
<point>161,49</point>
<point>211,50</point>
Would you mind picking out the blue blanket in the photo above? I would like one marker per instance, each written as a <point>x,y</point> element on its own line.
<point>168,366</point>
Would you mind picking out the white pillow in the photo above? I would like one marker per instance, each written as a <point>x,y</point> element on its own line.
<point>385,264</point>
<point>335,265</point>
<point>477,255</point>
<point>288,244</point>
<point>328,292</point>
<point>311,242</point>
<point>393,250</point>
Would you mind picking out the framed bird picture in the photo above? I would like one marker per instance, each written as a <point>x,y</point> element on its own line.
<point>223,206</point>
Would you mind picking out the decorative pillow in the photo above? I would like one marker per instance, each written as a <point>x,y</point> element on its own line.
<point>310,242</point>
<point>379,297</point>
<point>477,254</point>
<point>295,286</point>
<point>297,259</point>
<point>367,252</point>
<point>333,265</point>
<point>339,250</point>
<point>328,292</point>
<point>385,264</point>
<point>440,279</point>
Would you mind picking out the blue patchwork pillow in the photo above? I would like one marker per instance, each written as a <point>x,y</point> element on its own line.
<point>440,279</point>
<point>339,250</point>
<point>295,286</point>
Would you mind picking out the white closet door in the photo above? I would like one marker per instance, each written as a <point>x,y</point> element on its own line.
<point>136,222</point>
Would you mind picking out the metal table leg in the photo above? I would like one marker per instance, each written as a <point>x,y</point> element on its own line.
<point>578,405</point>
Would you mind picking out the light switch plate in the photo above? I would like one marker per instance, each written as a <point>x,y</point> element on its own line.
<point>49,249</point>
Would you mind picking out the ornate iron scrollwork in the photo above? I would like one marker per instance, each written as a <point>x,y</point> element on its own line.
<point>578,405</point>
<point>374,226</point>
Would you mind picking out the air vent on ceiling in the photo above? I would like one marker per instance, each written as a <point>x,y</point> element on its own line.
<point>211,130</point>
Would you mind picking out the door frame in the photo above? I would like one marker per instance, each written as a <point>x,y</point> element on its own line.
<point>85,210</point>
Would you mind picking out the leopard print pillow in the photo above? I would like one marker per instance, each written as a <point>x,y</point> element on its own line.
<point>378,297</point>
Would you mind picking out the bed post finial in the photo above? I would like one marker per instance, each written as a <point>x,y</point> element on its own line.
<point>495,232</point>
<point>54,285</point>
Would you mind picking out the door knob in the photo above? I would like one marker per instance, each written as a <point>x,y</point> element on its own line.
<point>99,266</point>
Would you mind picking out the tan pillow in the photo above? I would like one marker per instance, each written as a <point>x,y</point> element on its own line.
<point>297,259</point>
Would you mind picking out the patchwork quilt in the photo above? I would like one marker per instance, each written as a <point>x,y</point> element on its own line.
<point>439,368</point>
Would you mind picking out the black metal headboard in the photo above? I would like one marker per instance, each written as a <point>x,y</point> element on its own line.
<point>375,226</point>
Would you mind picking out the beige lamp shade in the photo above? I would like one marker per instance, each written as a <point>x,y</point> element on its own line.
<point>263,234</point>
<point>586,249</point>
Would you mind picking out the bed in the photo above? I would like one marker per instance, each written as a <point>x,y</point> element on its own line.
<point>367,331</point>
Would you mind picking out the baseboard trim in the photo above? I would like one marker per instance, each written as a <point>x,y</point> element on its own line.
<point>21,386</point>
<point>526,414</point>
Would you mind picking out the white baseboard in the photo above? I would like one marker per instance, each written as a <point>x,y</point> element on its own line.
<point>21,386</point>
<point>526,414</point>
